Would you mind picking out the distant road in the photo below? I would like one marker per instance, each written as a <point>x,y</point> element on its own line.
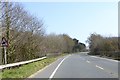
<point>80,65</point>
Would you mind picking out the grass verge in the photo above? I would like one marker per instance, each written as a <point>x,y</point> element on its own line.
<point>25,71</point>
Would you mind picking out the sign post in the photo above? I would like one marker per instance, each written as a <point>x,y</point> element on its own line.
<point>5,55</point>
<point>4,44</point>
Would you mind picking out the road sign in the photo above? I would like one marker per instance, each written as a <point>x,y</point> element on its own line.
<point>4,42</point>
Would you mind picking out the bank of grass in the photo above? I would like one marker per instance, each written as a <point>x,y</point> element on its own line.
<point>25,71</point>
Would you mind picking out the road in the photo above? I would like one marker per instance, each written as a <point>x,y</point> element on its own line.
<point>80,66</point>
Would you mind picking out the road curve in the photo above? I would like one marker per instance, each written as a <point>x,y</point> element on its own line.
<point>80,66</point>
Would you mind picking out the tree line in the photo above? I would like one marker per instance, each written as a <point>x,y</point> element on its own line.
<point>26,35</point>
<point>104,46</point>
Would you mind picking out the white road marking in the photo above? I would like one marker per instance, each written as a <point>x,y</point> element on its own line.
<point>82,58</point>
<point>88,61</point>
<point>32,76</point>
<point>99,67</point>
<point>104,58</point>
<point>57,68</point>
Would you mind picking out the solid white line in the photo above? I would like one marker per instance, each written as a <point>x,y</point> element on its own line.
<point>88,61</point>
<point>99,67</point>
<point>57,68</point>
<point>32,76</point>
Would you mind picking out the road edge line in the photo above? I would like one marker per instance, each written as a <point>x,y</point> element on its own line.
<point>31,76</point>
<point>51,76</point>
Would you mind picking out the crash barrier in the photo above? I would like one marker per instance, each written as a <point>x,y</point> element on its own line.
<point>20,63</point>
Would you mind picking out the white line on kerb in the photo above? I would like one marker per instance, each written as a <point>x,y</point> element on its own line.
<point>57,68</point>
<point>88,61</point>
<point>99,67</point>
<point>104,58</point>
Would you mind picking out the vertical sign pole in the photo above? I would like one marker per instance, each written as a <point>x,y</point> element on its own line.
<point>4,45</point>
<point>5,55</point>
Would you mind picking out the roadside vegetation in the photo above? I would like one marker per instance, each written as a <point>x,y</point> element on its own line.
<point>104,46</point>
<point>25,71</point>
<point>27,40</point>
<point>26,36</point>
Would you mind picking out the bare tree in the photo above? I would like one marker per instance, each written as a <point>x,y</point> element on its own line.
<point>21,31</point>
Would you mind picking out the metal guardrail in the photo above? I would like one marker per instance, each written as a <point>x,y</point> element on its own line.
<point>20,63</point>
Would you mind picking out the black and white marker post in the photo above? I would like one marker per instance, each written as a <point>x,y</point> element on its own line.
<point>4,44</point>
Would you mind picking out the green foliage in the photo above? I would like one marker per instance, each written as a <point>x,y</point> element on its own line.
<point>28,69</point>
<point>69,43</point>
<point>23,32</point>
<point>78,46</point>
<point>26,36</point>
<point>104,46</point>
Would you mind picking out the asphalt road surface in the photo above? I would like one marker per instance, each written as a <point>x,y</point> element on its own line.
<point>80,65</point>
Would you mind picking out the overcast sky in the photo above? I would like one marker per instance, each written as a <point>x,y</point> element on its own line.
<point>77,19</point>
